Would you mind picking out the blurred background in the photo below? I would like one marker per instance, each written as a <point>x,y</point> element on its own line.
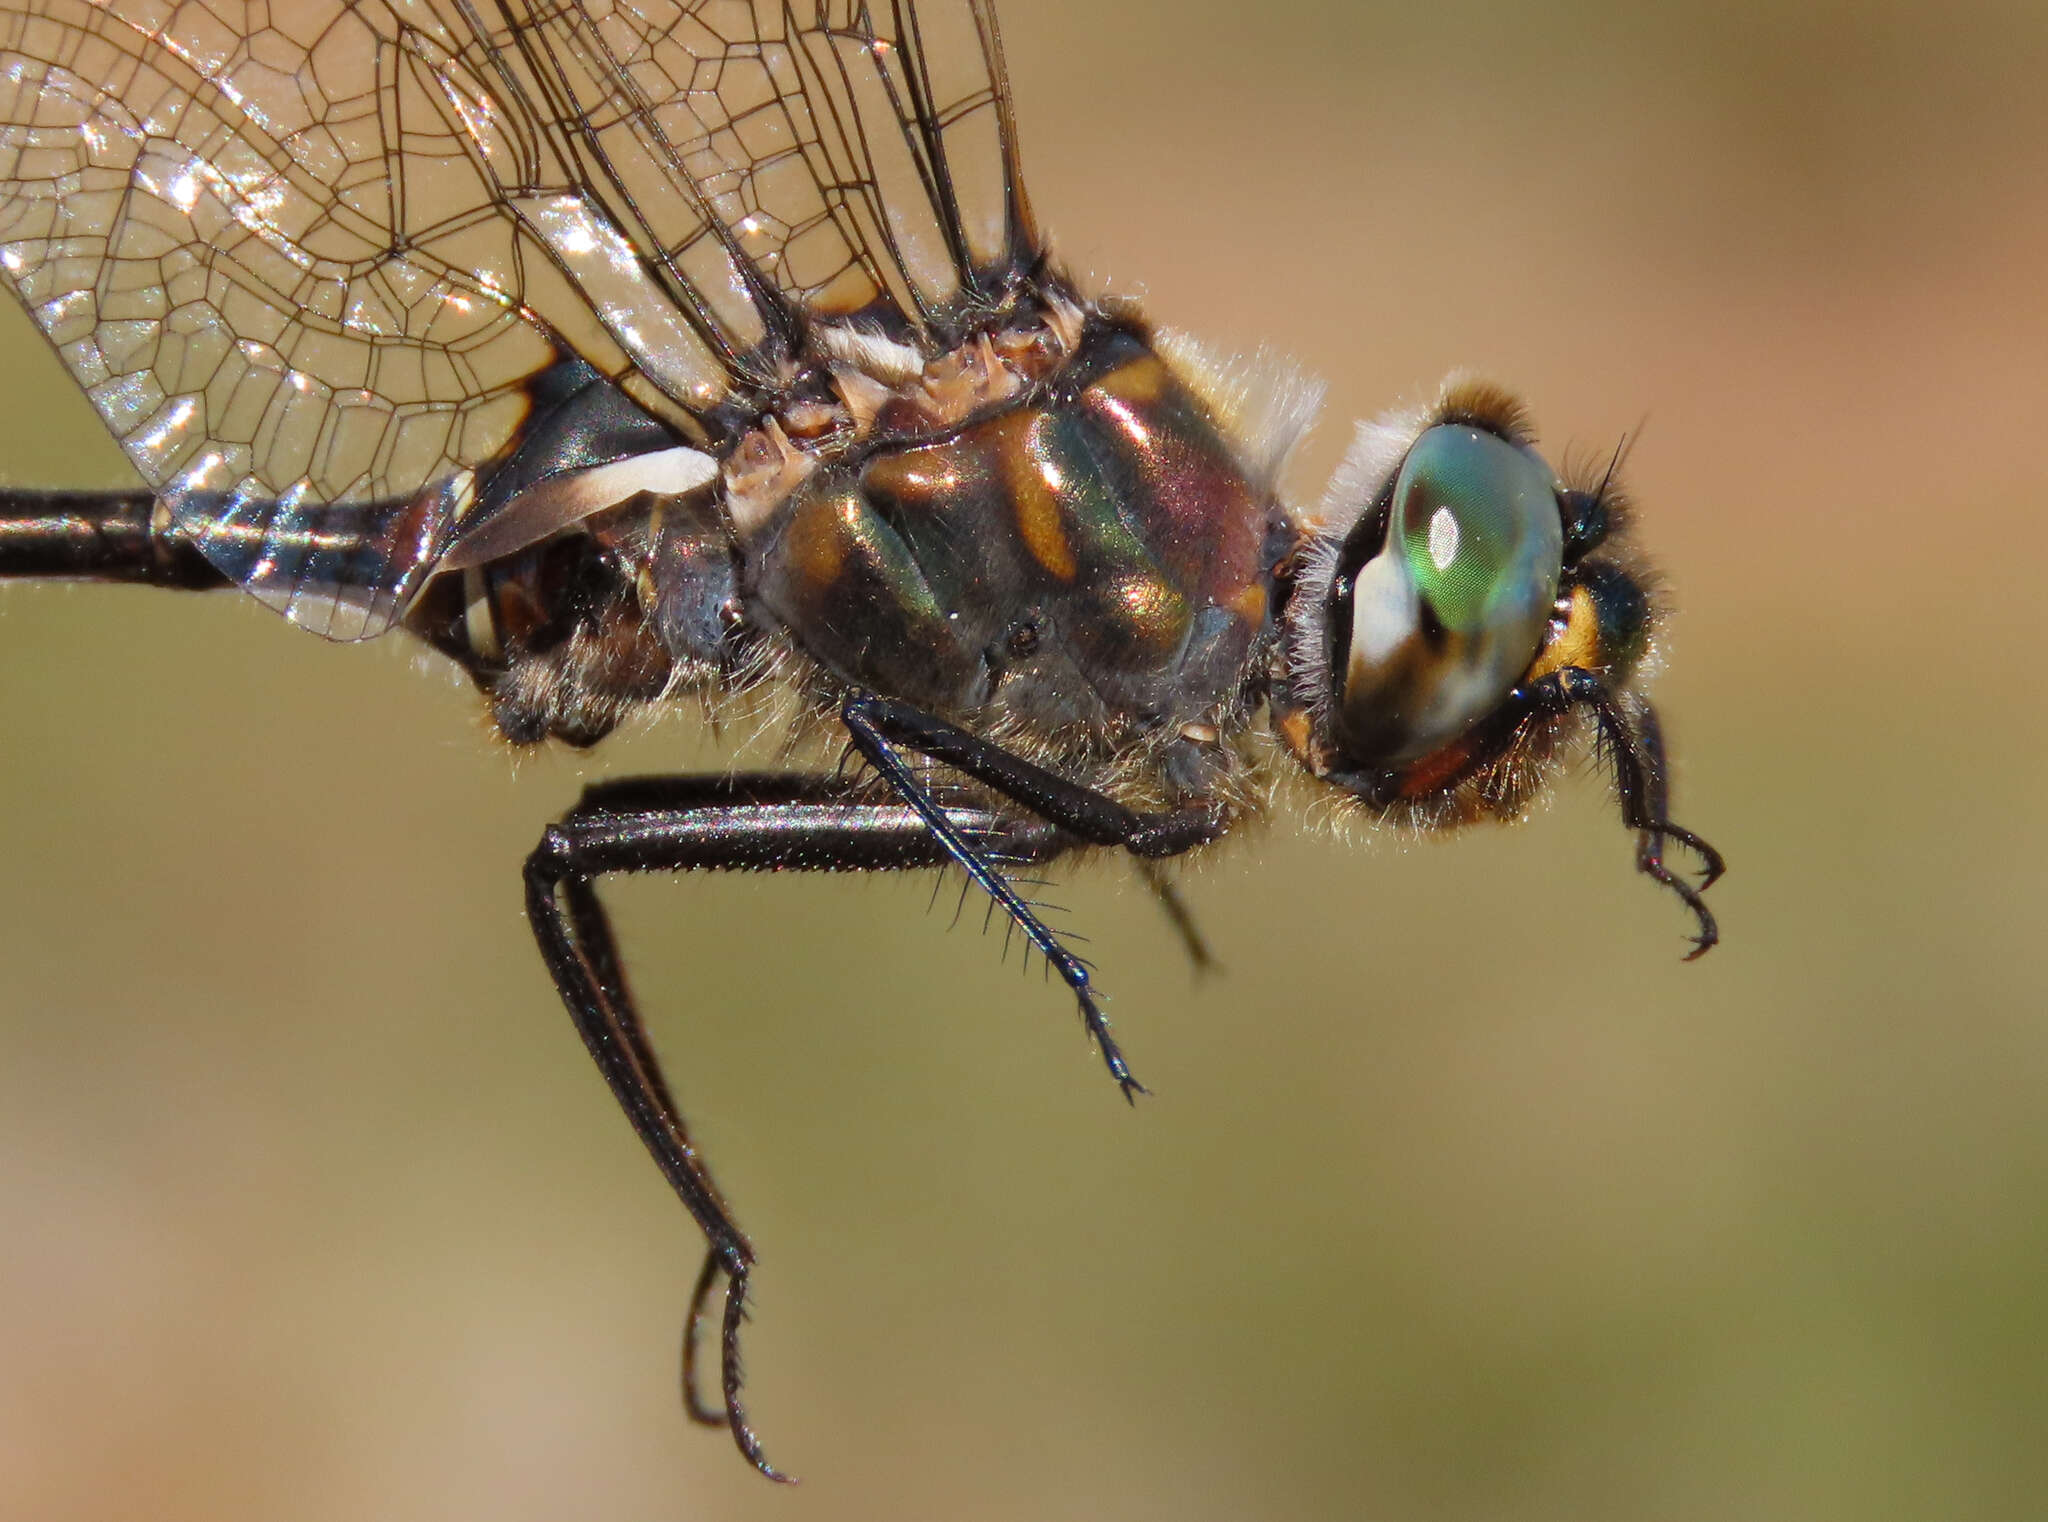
<point>1459,1196</point>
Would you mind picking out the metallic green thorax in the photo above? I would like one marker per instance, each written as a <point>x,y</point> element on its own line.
<point>1093,556</point>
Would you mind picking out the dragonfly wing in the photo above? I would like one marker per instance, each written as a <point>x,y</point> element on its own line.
<point>762,163</point>
<point>309,260</point>
<point>201,224</point>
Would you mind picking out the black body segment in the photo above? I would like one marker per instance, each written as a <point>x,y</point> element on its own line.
<point>98,536</point>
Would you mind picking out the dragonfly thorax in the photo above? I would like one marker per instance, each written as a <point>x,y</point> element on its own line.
<point>1079,559</point>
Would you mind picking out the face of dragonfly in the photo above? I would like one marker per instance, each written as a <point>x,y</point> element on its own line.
<point>1451,572</point>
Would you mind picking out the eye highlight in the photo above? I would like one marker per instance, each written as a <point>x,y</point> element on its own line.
<point>1449,613</point>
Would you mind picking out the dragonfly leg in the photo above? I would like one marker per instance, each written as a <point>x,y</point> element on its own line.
<point>1080,811</point>
<point>874,723</point>
<point>735,823</point>
<point>1634,745</point>
<point>1166,893</point>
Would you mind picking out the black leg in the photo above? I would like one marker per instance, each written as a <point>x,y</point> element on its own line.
<point>1634,745</point>
<point>757,823</point>
<point>1166,893</point>
<point>873,722</point>
<point>700,1297</point>
<point>1078,810</point>
<point>593,933</point>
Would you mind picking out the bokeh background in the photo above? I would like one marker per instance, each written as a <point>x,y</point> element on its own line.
<point>1459,1198</point>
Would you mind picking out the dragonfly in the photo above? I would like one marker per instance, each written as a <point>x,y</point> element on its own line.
<point>635,352</point>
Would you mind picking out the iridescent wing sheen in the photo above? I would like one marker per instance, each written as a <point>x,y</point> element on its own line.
<point>307,256</point>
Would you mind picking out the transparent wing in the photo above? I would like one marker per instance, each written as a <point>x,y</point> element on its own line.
<point>198,209</point>
<point>849,155</point>
<point>307,257</point>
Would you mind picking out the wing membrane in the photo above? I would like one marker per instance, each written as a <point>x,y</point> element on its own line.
<point>764,160</point>
<point>306,257</point>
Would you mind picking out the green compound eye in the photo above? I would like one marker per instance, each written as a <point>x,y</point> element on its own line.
<point>1447,617</point>
<point>1477,521</point>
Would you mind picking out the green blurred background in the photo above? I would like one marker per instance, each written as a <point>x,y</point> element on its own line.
<point>1459,1198</point>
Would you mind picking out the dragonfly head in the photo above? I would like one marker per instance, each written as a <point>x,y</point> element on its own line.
<point>1449,572</point>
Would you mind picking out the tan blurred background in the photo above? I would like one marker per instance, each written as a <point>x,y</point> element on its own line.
<point>1459,1198</point>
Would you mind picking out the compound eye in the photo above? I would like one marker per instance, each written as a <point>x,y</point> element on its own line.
<point>1451,611</point>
